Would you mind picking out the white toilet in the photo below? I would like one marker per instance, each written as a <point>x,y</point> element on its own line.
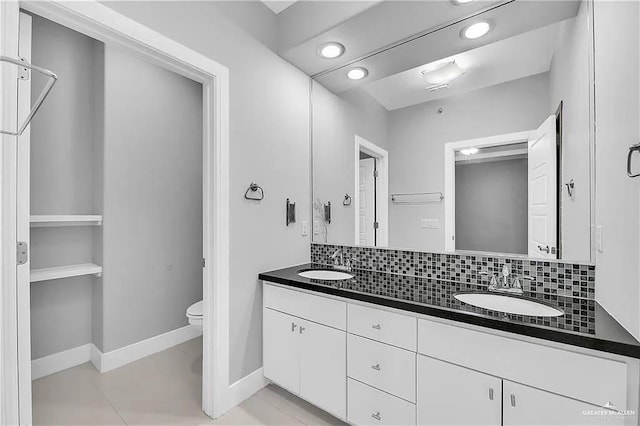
<point>194,314</point>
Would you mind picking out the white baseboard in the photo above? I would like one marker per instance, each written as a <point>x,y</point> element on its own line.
<point>104,362</point>
<point>244,388</point>
<point>111,360</point>
<point>60,361</point>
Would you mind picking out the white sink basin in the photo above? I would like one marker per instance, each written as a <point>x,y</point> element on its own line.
<point>325,274</point>
<point>510,305</point>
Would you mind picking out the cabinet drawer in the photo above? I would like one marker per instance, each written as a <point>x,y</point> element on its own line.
<point>382,366</point>
<point>369,406</point>
<point>580,376</point>
<point>383,326</point>
<point>303,305</point>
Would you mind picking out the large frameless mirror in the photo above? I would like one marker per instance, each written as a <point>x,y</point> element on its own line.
<point>475,136</point>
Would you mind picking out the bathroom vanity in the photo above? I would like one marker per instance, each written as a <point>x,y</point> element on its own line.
<point>382,349</point>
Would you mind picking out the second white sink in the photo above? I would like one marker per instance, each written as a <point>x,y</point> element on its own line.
<point>325,274</point>
<point>508,304</point>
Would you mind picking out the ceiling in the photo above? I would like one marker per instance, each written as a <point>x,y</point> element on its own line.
<point>509,59</point>
<point>511,20</point>
<point>278,6</point>
<point>362,26</point>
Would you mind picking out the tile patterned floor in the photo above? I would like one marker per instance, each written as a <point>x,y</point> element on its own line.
<point>163,389</point>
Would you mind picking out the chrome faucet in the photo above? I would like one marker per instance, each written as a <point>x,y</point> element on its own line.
<point>501,283</point>
<point>337,258</point>
<point>340,261</point>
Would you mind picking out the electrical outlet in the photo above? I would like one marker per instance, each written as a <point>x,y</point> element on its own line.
<point>304,228</point>
<point>316,227</point>
<point>429,223</point>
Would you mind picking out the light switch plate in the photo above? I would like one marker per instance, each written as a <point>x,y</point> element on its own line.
<point>316,227</point>
<point>304,228</point>
<point>429,223</point>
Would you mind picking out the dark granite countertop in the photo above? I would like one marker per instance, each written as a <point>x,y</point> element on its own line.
<point>585,323</point>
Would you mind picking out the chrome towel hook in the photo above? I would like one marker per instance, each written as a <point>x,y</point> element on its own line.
<point>570,187</point>
<point>38,103</point>
<point>347,200</point>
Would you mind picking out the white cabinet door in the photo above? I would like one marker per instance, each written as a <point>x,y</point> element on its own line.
<point>280,349</point>
<point>617,68</point>
<point>524,405</point>
<point>453,395</point>
<point>323,367</point>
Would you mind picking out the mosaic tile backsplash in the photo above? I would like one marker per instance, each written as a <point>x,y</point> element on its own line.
<point>551,278</point>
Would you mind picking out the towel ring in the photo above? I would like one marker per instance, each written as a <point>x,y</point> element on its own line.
<point>254,187</point>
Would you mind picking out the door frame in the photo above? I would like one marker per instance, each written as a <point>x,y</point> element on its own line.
<point>450,149</point>
<point>382,189</point>
<point>102,23</point>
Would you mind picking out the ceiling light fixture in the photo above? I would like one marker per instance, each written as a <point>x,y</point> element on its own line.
<point>357,73</point>
<point>469,151</point>
<point>476,30</point>
<point>331,50</point>
<point>442,75</point>
<point>461,2</point>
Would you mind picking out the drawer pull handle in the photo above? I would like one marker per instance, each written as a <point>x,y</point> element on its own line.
<point>376,327</point>
<point>513,400</point>
<point>377,416</point>
<point>302,329</point>
<point>491,394</point>
<point>293,327</point>
<point>376,367</point>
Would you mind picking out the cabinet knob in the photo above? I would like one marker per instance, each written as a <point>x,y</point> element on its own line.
<point>377,416</point>
<point>491,394</point>
<point>376,327</point>
<point>302,329</point>
<point>293,327</point>
<point>513,400</point>
<point>376,367</point>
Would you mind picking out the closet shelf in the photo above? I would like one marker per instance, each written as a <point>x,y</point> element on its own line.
<point>40,221</point>
<point>68,271</point>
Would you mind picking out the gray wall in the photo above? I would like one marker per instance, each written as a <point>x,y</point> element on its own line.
<point>152,232</point>
<point>492,206</point>
<point>269,137</point>
<point>417,136</point>
<point>62,179</point>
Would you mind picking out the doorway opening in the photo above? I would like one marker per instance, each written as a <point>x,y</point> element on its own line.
<point>105,25</point>
<point>372,194</point>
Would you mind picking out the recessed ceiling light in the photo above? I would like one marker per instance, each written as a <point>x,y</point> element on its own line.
<point>331,50</point>
<point>357,73</point>
<point>476,30</point>
<point>460,2</point>
<point>469,151</point>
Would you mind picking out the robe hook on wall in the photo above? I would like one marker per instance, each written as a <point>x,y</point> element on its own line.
<point>347,200</point>
<point>570,187</point>
<point>255,189</point>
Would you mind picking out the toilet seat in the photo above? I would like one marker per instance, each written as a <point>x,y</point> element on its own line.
<point>195,310</point>
<point>195,313</point>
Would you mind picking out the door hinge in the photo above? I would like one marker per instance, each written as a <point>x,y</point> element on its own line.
<point>204,263</point>
<point>23,73</point>
<point>22,253</point>
<point>376,225</point>
<point>375,173</point>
